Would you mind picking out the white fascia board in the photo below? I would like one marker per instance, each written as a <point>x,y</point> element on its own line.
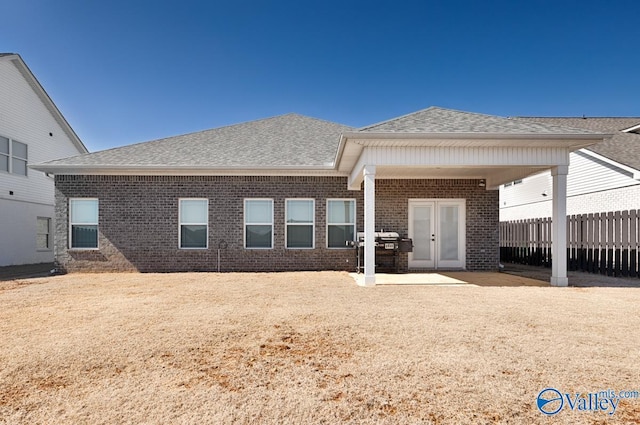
<point>46,100</point>
<point>631,129</point>
<point>634,172</point>
<point>575,141</point>
<point>185,171</point>
<point>356,176</point>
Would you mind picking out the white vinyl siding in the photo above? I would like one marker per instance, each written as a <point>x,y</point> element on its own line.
<point>83,223</point>
<point>300,223</point>
<point>258,223</point>
<point>588,178</point>
<point>341,222</point>
<point>586,175</point>
<point>193,215</point>
<point>27,120</point>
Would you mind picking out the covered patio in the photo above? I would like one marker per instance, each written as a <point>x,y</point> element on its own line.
<point>444,144</point>
<point>458,279</point>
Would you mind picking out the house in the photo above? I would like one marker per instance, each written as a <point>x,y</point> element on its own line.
<point>289,193</point>
<point>32,130</point>
<point>602,177</point>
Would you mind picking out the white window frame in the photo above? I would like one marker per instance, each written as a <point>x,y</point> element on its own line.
<point>48,234</point>
<point>244,228</point>
<point>180,224</point>
<point>11,156</point>
<point>355,219</point>
<point>71,224</point>
<point>312,224</point>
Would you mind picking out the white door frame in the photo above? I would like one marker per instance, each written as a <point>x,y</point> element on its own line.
<point>436,262</point>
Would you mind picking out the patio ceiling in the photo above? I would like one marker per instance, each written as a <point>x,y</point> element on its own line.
<point>497,158</point>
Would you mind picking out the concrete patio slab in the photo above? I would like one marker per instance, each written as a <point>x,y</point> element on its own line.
<point>451,279</point>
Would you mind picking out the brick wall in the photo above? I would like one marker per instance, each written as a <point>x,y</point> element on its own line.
<point>138,221</point>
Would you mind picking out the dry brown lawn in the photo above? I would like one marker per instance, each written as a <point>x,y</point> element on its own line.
<point>307,348</point>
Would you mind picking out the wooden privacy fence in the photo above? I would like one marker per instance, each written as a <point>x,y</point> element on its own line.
<point>604,243</point>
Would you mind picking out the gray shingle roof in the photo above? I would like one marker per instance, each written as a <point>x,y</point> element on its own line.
<point>622,147</point>
<point>441,120</point>
<point>290,140</point>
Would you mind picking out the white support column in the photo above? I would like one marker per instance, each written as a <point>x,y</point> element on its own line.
<point>559,227</point>
<point>369,173</point>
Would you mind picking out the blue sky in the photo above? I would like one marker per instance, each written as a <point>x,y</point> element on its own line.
<point>130,71</point>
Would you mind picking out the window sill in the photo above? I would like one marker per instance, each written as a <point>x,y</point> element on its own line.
<point>84,249</point>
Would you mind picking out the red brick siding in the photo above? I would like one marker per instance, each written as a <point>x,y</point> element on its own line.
<point>138,221</point>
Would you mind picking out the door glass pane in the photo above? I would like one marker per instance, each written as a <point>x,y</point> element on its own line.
<point>449,232</point>
<point>193,211</point>
<point>258,211</point>
<point>422,233</point>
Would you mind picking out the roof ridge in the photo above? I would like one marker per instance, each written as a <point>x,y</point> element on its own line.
<point>433,107</point>
<point>582,117</point>
<point>191,133</point>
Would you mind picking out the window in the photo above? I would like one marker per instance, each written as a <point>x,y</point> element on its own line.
<point>341,222</point>
<point>13,156</point>
<point>83,223</point>
<point>300,223</point>
<point>258,223</point>
<point>194,223</point>
<point>43,241</point>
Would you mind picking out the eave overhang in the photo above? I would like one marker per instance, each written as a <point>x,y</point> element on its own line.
<point>157,170</point>
<point>400,154</point>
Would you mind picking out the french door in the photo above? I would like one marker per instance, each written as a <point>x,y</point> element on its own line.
<point>437,227</point>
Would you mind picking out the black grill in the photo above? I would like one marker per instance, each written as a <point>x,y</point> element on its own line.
<point>388,247</point>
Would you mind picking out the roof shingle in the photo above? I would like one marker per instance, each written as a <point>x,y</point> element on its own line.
<point>441,120</point>
<point>283,141</point>
<point>622,147</point>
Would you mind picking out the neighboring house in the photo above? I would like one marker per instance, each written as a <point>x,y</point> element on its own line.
<point>602,177</point>
<point>32,130</point>
<point>289,193</point>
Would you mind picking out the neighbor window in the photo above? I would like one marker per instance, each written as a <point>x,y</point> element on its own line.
<point>258,223</point>
<point>83,223</point>
<point>341,222</point>
<point>300,223</point>
<point>43,241</point>
<point>194,223</point>
<point>13,156</point>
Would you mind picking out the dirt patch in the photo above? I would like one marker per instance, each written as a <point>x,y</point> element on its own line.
<point>307,348</point>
